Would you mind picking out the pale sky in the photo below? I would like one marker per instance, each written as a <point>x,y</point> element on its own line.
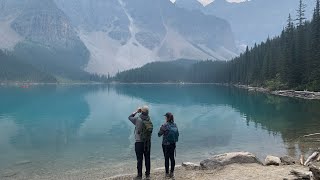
<point>205,2</point>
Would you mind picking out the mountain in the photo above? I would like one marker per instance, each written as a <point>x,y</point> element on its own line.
<point>290,60</point>
<point>189,4</point>
<point>72,38</point>
<point>252,21</point>
<point>41,34</point>
<point>122,34</point>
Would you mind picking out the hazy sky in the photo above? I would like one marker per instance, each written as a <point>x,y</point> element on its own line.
<point>205,2</point>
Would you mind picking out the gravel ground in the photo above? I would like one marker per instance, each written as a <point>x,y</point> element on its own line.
<point>231,172</point>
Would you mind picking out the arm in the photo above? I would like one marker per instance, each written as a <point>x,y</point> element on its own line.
<point>162,130</point>
<point>132,117</point>
<point>178,131</point>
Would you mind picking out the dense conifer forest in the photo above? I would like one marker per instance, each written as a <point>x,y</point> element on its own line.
<point>13,70</point>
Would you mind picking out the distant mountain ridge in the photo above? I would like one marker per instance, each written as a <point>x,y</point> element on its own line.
<point>251,21</point>
<point>132,33</point>
<point>75,37</point>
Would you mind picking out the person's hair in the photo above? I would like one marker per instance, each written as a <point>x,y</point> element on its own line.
<point>170,118</point>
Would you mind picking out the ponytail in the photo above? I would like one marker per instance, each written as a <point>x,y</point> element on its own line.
<point>171,118</point>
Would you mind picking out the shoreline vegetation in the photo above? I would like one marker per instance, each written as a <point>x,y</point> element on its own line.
<point>308,95</point>
<point>243,166</point>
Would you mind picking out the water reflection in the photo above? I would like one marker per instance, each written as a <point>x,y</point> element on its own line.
<point>46,121</point>
<point>288,117</point>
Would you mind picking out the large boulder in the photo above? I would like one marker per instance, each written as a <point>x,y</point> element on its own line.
<point>190,166</point>
<point>288,160</point>
<point>272,160</point>
<point>222,160</point>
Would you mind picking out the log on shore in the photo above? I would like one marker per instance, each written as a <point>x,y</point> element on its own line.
<point>311,158</point>
<point>308,135</point>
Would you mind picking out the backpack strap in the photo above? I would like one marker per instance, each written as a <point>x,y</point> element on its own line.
<point>135,128</point>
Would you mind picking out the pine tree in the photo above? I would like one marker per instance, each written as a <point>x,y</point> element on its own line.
<point>301,13</point>
<point>299,66</point>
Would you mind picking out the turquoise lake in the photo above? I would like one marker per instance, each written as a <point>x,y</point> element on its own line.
<point>82,131</point>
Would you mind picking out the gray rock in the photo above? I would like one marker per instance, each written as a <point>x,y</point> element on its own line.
<point>316,172</point>
<point>222,160</point>
<point>303,175</point>
<point>288,160</point>
<point>272,160</point>
<point>190,166</point>
<point>148,40</point>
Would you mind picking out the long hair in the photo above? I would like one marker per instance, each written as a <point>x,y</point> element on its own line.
<point>171,118</point>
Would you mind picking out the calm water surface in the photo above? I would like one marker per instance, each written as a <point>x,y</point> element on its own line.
<point>68,132</point>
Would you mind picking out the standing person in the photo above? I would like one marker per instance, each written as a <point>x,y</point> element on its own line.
<point>143,132</point>
<point>170,133</point>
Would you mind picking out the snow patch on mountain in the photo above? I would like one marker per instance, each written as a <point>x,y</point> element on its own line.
<point>109,56</point>
<point>8,37</point>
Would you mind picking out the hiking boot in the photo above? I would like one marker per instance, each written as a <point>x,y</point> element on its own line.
<point>171,175</point>
<point>167,175</point>
<point>138,178</point>
<point>148,177</point>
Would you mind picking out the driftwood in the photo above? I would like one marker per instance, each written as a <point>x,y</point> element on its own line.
<point>311,158</point>
<point>308,135</point>
<point>316,172</point>
<point>302,160</point>
<point>301,175</point>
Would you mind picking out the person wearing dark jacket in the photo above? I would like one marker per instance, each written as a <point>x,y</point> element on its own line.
<point>140,146</point>
<point>168,130</point>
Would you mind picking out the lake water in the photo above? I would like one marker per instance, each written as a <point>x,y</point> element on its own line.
<point>82,132</point>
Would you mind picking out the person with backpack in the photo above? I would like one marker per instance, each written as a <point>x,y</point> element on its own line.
<point>170,133</point>
<point>143,132</point>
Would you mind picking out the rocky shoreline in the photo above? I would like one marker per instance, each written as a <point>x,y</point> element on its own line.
<point>243,166</point>
<point>287,93</point>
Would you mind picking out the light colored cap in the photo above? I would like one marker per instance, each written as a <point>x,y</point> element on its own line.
<point>145,109</point>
